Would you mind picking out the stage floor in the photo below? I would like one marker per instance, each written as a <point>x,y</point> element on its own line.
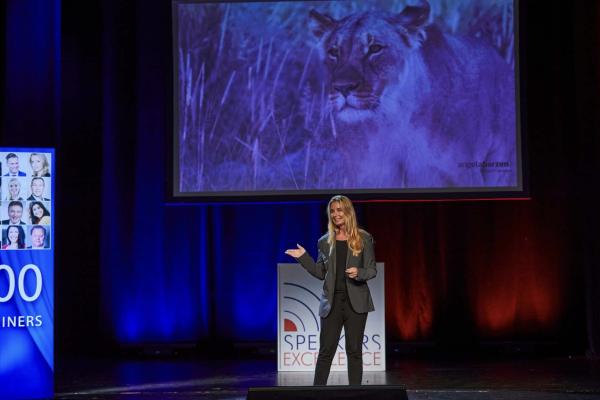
<point>151,379</point>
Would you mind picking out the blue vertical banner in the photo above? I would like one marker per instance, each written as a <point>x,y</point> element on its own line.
<point>27,273</point>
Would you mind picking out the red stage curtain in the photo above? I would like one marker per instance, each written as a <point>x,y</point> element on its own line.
<point>493,269</point>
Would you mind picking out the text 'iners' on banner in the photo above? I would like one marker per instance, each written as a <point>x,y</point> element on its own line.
<point>27,273</point>
<point>298,325</point>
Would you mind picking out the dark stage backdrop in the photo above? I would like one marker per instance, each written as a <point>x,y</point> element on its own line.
<point>95,82</point>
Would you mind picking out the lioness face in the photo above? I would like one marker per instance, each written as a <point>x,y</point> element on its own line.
<point>364,54</point>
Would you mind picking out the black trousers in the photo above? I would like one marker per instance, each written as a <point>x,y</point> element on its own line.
<point>341,315</point>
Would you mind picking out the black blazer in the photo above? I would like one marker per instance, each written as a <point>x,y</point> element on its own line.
<point>325,269</point>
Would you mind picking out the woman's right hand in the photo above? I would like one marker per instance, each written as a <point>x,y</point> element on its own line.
<point>296,253</point>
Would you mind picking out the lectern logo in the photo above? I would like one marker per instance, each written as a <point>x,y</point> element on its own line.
<point>298,314</point>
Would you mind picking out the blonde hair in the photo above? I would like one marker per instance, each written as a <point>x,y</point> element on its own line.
<point>8,196</point>
<point>355,243</point>
<point>45,166</point>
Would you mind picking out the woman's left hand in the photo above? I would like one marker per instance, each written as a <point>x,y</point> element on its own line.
<point>352,272</point>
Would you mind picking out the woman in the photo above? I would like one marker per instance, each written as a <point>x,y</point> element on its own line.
<point>14,190</point>
<point>39,164</point>
<point>346,261</point>
<point>15,238</point>
<point>38,214</point>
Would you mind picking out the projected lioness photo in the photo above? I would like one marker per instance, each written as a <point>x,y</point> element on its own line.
<point>366,95</point>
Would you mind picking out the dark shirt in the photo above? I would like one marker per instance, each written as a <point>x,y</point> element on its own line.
<point>7,222</point>
<point>341,251</point>
<point>33,198</point>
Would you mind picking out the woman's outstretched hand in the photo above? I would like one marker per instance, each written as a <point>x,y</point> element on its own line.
<point>296,253</point>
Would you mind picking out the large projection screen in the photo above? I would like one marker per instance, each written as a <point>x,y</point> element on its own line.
<point>389,97</point>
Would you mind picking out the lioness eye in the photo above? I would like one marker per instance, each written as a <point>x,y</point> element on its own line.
<point>333,52</point>
<point>375,48</point>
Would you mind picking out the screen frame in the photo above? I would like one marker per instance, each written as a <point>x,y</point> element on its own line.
<point>519,192</point>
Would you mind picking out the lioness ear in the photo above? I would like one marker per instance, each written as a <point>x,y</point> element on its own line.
<point>414,19</point>
<point>320,24</point>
